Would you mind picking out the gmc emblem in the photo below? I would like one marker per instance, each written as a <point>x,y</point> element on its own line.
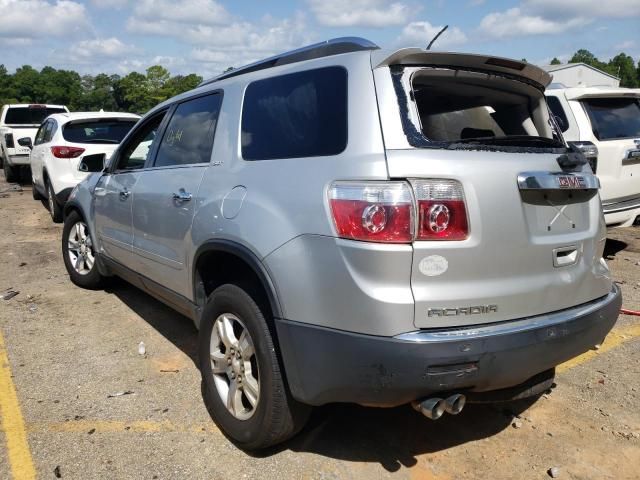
<point>571,181</point>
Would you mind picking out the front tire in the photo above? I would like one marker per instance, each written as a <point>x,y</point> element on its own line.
<point>79,254</point>
<point>242,383</point>
<point>54,207</point>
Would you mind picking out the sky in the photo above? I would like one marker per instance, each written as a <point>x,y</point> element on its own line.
<point>207,36</point>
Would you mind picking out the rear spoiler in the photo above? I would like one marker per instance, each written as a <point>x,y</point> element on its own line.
<point>582,94</point>
<point>418,56</point>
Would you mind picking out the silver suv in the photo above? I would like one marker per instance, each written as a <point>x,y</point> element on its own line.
<point>348,225</point>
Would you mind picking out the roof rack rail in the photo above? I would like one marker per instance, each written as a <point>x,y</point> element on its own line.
<point>327,48</point>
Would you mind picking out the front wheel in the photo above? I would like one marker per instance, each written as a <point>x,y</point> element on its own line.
<point>79,254</point>
<point>243,386</point>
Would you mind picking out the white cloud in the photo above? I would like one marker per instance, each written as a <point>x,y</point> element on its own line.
<point>244,42</point>
<point>580,8</point>
<point>172,13</point>
<point>627,44</point>
<point>30,19</point>
<point>419,34</point>
<point>109,3</point>
<point>362,13</point>
<point>92,50</point>
<point>516,22</point>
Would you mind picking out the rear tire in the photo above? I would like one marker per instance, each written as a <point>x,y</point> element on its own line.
<point>54,207</point>
<point>79,254</point>
<point>246,396</point>
<point>10,173</point>
<point>35,193</point>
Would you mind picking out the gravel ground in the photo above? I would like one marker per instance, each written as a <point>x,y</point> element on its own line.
<point>70,349</point>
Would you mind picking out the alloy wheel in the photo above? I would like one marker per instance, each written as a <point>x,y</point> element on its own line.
<point>80,248</point>
<point>234,366</point>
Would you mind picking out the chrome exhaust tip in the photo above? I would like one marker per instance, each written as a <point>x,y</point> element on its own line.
<point>432,408</point>
<point>455,403</point>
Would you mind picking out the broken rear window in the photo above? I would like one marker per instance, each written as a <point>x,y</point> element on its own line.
<point>455,107</point>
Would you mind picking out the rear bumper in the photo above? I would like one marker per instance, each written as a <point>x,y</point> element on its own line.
<point>621,210</point>
<point>19,160</point>
<point>326,365</point>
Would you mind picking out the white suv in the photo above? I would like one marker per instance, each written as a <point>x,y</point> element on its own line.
<point>604,122</point>
<point>62,141</point>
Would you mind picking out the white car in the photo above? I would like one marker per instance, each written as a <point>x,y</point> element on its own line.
<point>61,143</point>
<point>19,122</point>
<point>604,122</point>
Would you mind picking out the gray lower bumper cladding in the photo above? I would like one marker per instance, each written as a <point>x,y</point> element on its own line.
<point>326,366</point>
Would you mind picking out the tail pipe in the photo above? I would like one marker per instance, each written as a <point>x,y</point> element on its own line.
<point>455,403</point>
<point>434,408</point>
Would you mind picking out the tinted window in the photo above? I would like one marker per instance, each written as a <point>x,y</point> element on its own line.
<point>40,135</point>
<point>189,135</point>
<point>613,118</point>
<point>136,151</point>
<point>558,112</point>
<point>29,115</point>
<point>298,115</point>
<point>50,128</point>
<point>97,131</point>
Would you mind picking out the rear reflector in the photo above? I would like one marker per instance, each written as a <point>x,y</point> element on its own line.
<point>373,211</point>
<point>67,152</point>
<point>442,213</point>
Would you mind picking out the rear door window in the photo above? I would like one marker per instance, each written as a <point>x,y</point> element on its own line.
<point>110,131</point>
<point>302,114</point>
<point>188,138</point>
<point>614,118</point>
<point>29,115</point>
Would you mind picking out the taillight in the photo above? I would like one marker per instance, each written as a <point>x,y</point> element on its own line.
<point>442,213</point>
<point>8,140</point>
<point>67,152</point>
<point>373,211</point>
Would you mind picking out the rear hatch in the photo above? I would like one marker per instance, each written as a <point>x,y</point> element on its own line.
<point>95,136</point>
<point>614,116</point>
<point>533,233</point>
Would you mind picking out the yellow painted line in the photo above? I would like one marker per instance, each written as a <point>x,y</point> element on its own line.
<point>615,338</point>
<point>114,426</point>
<point>12,424</point>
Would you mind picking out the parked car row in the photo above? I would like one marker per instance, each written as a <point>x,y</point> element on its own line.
<point>345,224</point>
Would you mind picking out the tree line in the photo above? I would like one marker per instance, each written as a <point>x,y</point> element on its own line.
<point>138,92</point>
<point>621,66</point>
<point>135,92</point>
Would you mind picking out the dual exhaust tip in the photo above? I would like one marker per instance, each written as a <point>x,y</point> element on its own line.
<point>434,408</point>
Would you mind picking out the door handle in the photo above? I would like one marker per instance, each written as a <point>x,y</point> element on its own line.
<point>124,194</point>
<point>182,196</point>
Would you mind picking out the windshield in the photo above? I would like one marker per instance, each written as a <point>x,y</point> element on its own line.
<point>33,115</point>
<point>97,131</point>
<point>613,118</point>
<point>463,107</point>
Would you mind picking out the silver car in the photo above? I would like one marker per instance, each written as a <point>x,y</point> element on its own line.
<point>345,224</point>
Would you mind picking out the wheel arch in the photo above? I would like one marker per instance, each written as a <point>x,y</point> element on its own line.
<point>243,257</point>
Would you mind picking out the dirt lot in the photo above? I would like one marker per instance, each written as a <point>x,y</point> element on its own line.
<point>67,351</point>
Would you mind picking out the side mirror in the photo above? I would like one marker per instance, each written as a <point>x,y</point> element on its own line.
<point>25,142</point>
<point>92,163</point>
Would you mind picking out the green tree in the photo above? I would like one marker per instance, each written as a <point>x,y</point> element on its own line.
<point>134,93</point>
<point>585,56</point>
<point>555,61</point>
<point>623,67</point>
<point>25,83</point>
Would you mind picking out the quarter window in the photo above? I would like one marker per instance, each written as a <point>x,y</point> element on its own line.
<point>302,114</point>
<point>40,135</point>
<point>558,112</point>
<point>188,138</point>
